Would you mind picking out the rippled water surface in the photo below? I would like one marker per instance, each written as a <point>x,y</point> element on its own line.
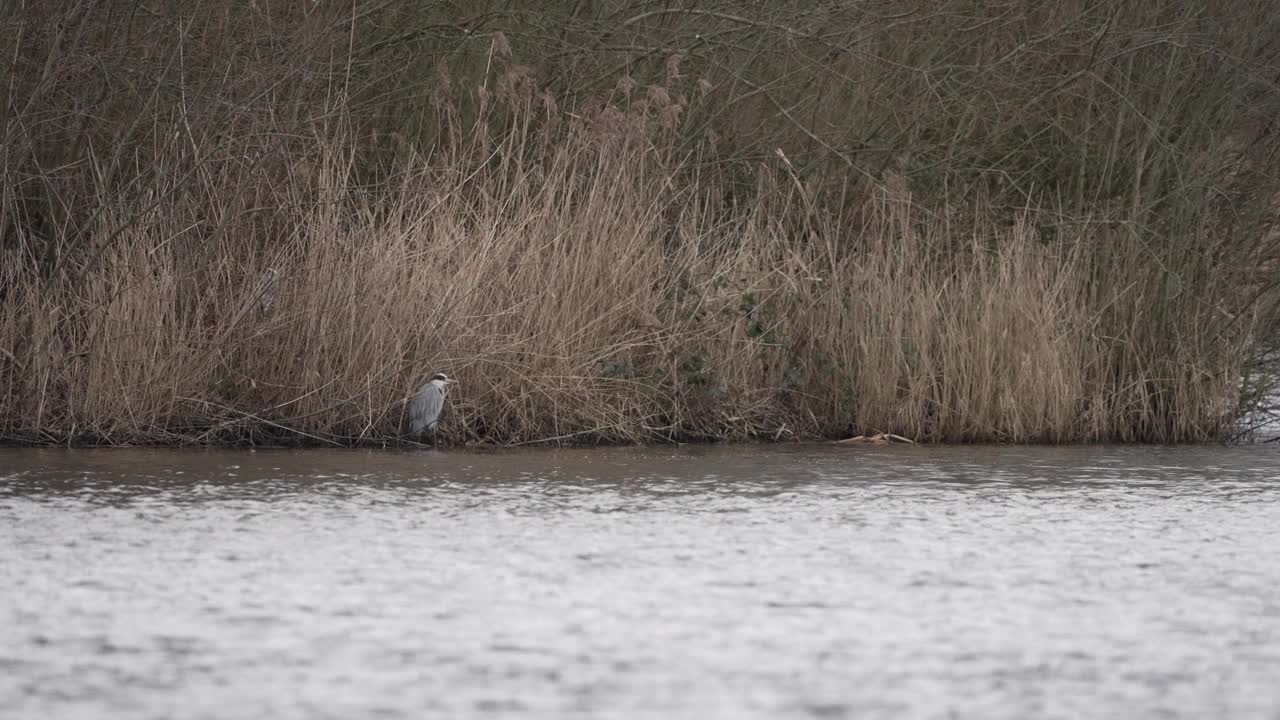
<point>735,582</point>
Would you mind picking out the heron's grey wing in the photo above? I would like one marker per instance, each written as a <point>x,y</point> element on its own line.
<point>424,411</point>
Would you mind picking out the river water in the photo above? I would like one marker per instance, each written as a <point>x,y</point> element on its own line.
<point>783,582</point>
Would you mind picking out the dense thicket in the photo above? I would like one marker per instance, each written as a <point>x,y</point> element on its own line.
<point>621,221</point>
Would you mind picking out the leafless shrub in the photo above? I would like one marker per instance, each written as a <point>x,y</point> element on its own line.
<point>1045,223</point>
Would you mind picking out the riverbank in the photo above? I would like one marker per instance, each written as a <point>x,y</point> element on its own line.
<point>275,228</point>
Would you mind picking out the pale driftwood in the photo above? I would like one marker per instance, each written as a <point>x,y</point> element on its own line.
<point>877,439</point>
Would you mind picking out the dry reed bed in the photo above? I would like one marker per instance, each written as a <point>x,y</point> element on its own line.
<point>588,297</point>
<point>269,260</point>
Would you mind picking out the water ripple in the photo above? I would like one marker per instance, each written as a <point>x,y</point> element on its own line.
<point>726,582</point>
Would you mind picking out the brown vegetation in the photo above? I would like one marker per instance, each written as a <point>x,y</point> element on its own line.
<point>625,222</point>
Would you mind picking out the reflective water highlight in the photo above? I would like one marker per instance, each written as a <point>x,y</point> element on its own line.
<point>811,581</point>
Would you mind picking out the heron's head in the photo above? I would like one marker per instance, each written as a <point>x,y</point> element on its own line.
<point>441,377</point>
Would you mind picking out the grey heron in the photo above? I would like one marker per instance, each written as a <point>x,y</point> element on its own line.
<point>427,404</point>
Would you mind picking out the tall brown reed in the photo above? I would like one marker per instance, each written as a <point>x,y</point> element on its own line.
<point>1012,237</point>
